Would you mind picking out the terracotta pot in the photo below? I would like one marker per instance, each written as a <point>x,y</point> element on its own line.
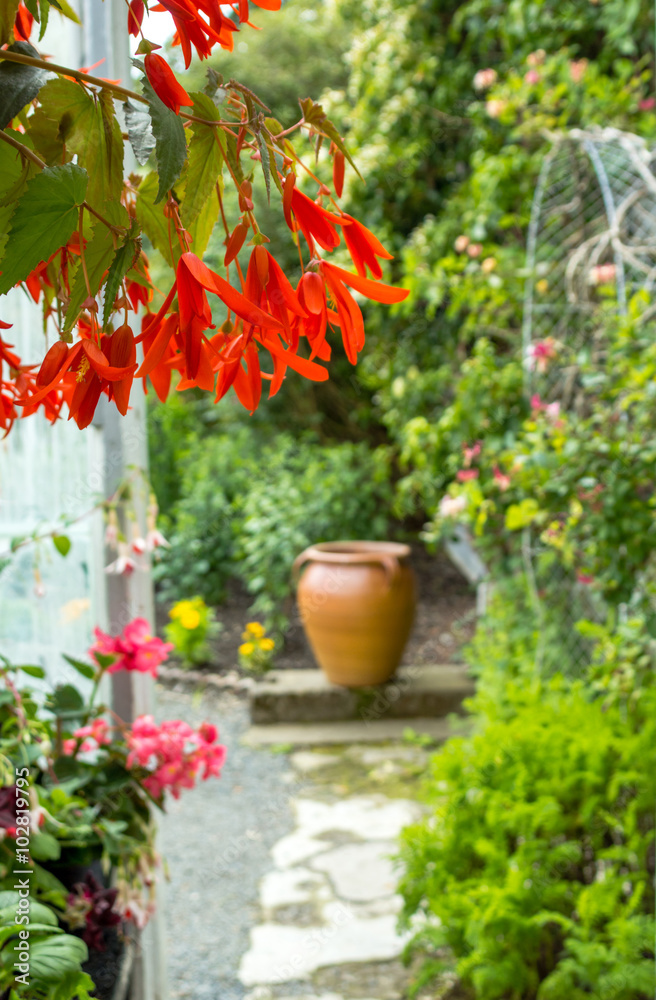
<point>357,604</point>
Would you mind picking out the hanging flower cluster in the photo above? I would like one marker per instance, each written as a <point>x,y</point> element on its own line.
<point>174,754</point>
<point>239,329</point>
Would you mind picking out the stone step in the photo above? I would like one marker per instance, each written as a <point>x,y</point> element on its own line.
<point>304,696</point>
<point>316,734</point>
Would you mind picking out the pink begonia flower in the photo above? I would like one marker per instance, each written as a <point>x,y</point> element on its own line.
<point>464,475</point>
<point>461,244</point>
<point>577,69</point>
<point>174,754</point>
<point>540,354</point>
<point>648,104</point>
<point>536,58</point>
<point>502,480</point>
<point>452,506</point>
<point>475,249</point>
<point>485,78</point>
<point>98,731</point>
<point>532,77</point>
<point>603,274</point>
<point>471,453</point>
<point>135,648</point>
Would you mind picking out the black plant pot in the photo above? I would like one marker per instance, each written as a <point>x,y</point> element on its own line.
<point>110,967</point>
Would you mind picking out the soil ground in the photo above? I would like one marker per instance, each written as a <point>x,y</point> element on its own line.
<point>443,624</point>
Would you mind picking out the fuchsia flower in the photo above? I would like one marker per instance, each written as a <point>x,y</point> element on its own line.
<point>471,453</point>
<point>577,69</point>
<point>550,410</point>
<point>485,78</point>
<point>135,648</point>
<point>174,754</point>
<point>124,565</point>
<point>541,353</point>
<point>603,274</point>
<point>502,480</point>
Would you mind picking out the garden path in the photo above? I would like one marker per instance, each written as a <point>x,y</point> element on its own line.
<point>282,887</point>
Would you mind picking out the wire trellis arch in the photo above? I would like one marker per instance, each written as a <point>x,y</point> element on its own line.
<point>591,240</point>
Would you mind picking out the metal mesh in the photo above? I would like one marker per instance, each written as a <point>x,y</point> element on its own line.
<point>592,240</point>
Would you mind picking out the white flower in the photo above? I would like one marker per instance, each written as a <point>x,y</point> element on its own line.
<point>452,506</point>
<point>155,540</point>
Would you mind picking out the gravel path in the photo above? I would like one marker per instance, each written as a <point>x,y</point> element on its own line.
<point>216,840</point>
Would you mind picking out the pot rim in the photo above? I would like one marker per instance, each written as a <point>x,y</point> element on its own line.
<point>356,552</point>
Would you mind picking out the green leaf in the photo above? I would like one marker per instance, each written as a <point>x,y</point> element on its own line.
<point>520,515</point>
<point>140,131</point>
<point>123,260</point>
<point>82,668</point>
<point>65,699</point>
<point>154,223</point>
<point>98,255</point>
<point>19,84</point>
<point>44,220</point>
<point>55,957</point>
<point>71,119</point>
<point>205,160</point>
<point>44,847</point>
<point>170,142</point>
<point>32,671</point>
<point>8,11</point>
<point>315,115</point>
<point>15,171</point>
<point>62,543</point>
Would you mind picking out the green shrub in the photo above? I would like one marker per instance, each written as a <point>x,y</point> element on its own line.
<point>248,508</point>
<point>531,874</point>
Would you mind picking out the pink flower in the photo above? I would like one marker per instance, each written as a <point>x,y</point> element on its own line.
<point>139,545</point>
<point>603,274</point>
<point>471,453</point>
<point>540,354</point>
<point>174,754</point>
<point>155,540</point>
<point>648,104</point>
<point>96,732</point>
<point>485,78</point>
<point>536,58</point>
<point>124,565</point>
<point>464,475</point>
<point>532,77</point>
<point>496,107</point>
<point>550,410</point>
<point>585,578</point>
<point>577,69</point>
<point>475,249</point>
<point>501,479</point>
<point>135,649</point>
<point>488,265</point>
<point>461,244</point>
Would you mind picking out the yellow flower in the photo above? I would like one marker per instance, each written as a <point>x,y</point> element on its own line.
<point>190,619</point>
<point>180,609</point>
<point>255,629</point>
<point>247,649</point>
<point>267,644</point>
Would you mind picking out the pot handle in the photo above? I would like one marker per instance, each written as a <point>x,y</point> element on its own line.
<point>389,563</point>
<point>298,562</point>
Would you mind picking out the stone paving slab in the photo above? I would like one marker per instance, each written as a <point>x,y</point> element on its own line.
<point>332,733</point>
<point>307,696</point>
